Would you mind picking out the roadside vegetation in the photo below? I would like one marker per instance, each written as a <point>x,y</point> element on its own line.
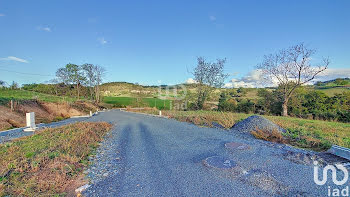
<point>51,162</point>
<point>310,134</point>
<point>304,103</point>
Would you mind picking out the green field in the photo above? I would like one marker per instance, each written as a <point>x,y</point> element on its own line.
<point>7,94</point>
<point>331,91</point>
<point>131,101</point>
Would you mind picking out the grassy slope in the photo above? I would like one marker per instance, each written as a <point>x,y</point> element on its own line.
<point>49,162</point>
<point>7,94</point>
<point>331,91</point>
<point>312,133</point>
<point>130,101</point>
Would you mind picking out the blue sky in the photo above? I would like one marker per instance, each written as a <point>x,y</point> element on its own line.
<point>152,41</point>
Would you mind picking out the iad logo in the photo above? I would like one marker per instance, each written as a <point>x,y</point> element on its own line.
<point>334,174</point>
<point>333,169</point>
<point>164,92</point>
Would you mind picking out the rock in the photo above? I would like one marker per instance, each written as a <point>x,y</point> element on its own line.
<point>256,122</point>
<point>82,188</point>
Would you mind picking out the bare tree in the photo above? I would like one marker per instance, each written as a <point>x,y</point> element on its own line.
<point>208,76</point>
<point>99,74</point>
<point>90,75</point>
<point>14,85</point>
<point>291,68</point>
<point>55,83</point>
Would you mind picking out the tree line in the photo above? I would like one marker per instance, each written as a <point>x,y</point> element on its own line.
<point>88,75</point>
<point>304,103</point>
<point>81,81</point>
<point>291,68</point>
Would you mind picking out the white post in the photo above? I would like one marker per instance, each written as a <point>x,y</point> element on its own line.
<point>90,113</point>
<point>30,119</point>
<point>160,113</point>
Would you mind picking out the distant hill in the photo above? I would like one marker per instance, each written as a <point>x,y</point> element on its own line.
<point>339,82</point>
<point>126,89</point>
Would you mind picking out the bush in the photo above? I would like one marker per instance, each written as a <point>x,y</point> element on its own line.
<point>343,116</point>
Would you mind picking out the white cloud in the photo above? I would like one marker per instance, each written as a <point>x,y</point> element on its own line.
<point>190,81</point>
<point>102,41</point>
<point>212,18</point>
<point>47,29</point>
<point>255,79</point>
<point>12,58</point>
<point>252,80</point>
<point>2,14</point>
<point>333,73</point>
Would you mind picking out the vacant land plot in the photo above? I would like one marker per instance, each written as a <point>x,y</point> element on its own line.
<point>314,134</point>
<point>134,102</point>
<point>49,163</point>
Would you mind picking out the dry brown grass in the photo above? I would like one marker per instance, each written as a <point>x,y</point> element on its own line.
<point>206,118</point>
<point>44,112</point>
<point>272,136</point>
<point>49,162</point>
<point>147,110</point>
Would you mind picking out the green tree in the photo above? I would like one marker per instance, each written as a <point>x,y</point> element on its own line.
<point>226,102</point>
<point>208,76</point>
<point>72,74</point>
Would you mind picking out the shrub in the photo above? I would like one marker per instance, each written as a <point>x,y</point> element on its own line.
<point>272,136</point>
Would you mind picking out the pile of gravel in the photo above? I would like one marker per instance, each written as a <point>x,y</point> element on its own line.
<point>256,122</point>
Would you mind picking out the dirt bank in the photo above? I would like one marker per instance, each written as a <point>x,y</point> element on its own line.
<point>44,112</point>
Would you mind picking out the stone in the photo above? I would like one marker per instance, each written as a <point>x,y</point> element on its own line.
<point>82,188</point>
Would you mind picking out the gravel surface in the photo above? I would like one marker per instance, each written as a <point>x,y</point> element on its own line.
<point>256,122</point>
<point>150,156</point>
<point>12,134</point>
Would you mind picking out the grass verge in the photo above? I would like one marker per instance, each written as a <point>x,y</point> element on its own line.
<point>51,162</point>
<point>311,134</point>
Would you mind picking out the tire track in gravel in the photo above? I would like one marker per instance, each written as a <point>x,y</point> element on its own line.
<point>137,179</point>
<point>158,166</point>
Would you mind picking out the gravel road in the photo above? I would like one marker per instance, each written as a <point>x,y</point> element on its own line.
<point>151,156</point>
